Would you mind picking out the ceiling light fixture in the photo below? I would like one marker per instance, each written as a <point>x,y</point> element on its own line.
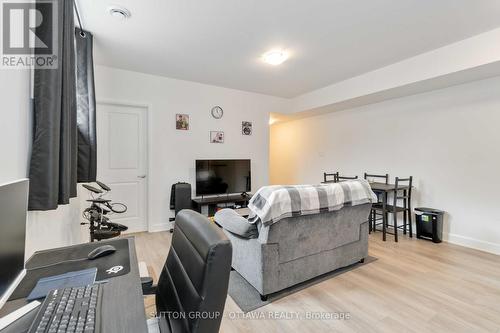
<point>275,57</point>
<point>119,12</point>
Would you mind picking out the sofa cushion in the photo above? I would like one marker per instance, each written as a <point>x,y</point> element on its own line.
<point>235,223</point>
<point>304,236</point>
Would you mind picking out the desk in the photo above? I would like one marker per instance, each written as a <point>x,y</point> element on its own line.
<point>385,189</point>
<point>212,202</point>
<point>122,301</point>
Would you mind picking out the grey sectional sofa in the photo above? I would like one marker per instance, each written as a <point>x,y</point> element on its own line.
<point>297,249</point>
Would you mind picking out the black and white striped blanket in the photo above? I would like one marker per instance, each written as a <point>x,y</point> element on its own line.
<point>273,203</point>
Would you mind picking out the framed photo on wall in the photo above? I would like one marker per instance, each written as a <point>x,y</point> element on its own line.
<point>216,137</point>
<point>246,127</point>
<point>182,122</point>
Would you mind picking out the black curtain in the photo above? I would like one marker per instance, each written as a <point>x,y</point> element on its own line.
<point>63,149</point>
<point>53,162</point>
<point>86,117</point>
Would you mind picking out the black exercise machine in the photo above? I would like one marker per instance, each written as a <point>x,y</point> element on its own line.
<point>97,215</point>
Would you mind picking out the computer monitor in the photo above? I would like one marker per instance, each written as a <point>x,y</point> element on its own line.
<point>13,210</point>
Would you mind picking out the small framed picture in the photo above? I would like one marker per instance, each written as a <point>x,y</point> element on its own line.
<point>182,122</point>
<point>216,137</point>
<point>246,127</point>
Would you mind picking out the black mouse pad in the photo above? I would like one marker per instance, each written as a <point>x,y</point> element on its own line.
<point>112,265</point>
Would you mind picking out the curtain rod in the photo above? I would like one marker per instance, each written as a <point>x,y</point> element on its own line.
<point>82,33</point>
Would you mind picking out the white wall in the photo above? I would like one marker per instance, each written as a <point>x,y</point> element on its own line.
<point>449,140</point>
<point>173,152</point>
<point>44,229</point>
<point>14,124</point>
<point>54,228</point>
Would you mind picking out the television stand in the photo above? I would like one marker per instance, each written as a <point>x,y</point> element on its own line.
<point>212,202</point>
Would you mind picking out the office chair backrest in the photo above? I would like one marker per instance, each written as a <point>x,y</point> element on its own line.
<point>195,277</point>
<point>180,197</point>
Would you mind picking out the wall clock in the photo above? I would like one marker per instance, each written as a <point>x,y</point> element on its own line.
<point>217,112</point>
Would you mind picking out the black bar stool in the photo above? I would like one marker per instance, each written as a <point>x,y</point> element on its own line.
<point>344,178</point>
<point>373,213</point>
<point>402,192</point>
<point>336,177</point>
<point>326,175</point>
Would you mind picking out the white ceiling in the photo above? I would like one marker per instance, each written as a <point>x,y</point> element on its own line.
<point>220,42</point>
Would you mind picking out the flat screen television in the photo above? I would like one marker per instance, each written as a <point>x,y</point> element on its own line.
<point>222,176</point>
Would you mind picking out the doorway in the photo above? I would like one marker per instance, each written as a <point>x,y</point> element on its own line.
<point>122,160</point>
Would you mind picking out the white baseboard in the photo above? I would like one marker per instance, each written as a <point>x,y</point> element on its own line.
<point>160,227</point>
<point>473,243</point>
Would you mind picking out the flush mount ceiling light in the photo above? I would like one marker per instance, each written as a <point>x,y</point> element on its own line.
<point>275,57</point>
<point>119,12</point>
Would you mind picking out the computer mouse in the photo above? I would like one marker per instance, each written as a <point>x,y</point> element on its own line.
<point>101,251</point>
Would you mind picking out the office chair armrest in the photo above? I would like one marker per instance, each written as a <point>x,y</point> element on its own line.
<point>147,286</point>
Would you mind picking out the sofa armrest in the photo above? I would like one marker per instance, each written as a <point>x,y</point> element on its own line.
<point>236,224</point>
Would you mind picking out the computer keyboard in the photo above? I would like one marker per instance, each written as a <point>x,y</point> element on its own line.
<point>75,310</point>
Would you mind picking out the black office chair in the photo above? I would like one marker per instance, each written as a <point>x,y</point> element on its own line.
<point>180,198</point>
<point>192,288</point>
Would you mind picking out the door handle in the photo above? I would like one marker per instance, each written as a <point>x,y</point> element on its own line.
<point>141,176</point>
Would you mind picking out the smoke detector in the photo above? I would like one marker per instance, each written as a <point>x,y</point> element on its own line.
<point>119,13</point>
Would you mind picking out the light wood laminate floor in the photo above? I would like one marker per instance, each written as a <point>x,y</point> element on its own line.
<point>413,286</point>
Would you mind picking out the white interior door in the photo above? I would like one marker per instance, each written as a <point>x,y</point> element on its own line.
<point>122,160</point>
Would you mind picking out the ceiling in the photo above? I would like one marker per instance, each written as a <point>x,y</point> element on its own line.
<point>220,42</point>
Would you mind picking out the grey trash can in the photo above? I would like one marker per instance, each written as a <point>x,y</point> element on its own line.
<point>429,223</point>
